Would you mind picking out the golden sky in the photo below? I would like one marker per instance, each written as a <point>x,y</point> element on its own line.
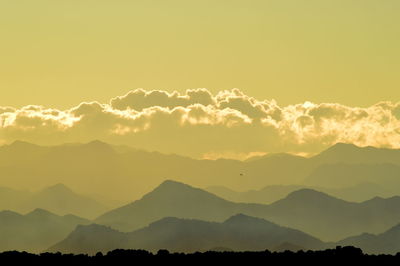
<point>60,53</point>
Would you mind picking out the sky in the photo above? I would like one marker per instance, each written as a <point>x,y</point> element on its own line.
<point>61,53</point>
<point>220,78</point>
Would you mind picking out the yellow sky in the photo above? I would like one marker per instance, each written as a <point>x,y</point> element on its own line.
<point>59,53</point>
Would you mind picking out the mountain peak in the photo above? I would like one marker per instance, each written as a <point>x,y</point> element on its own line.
<point>340,148</point>
<point>170,182</point>
<point>9,214</point>
<point>309,195</point>
<point>240,217</point>
<point>20,145</point>
<point>242,220</point>
<point>58,188</point>
<point>38,212</point>
<point>350,153</point>
<point>168,188</point>
<point>98,145</point>
<point>171,185</point>
<point>171,188</point>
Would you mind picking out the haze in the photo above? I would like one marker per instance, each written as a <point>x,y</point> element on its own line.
<point>191,126</point>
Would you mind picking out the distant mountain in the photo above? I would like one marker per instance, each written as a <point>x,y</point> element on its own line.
<point>62,200</point>
<point>237,233</point>
<point>118,171</point>
<point>332,219</point>
<point>343,175</point>
<point>34,231</point>
<point>310,211</point>
<point>58,199</point>
<point>360,192</point>
<point>11,198</point>
<point>384,243</point>
<point>352,154</point>
<point>173,199</point>
<point>266,195</point>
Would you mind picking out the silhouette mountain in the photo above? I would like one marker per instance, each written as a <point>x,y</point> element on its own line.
<point>239,232</point>
<point>387,242</point>
<point>34,231</point>
<point>58,199</point>
<point>332,219</point>
<point>310,211</point>
<point>172,199</point>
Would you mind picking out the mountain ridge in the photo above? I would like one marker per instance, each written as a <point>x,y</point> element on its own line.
<point>187,235</point>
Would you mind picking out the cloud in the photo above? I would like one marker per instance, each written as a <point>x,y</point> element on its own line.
<point>201,124</point>
<point>141,99</point>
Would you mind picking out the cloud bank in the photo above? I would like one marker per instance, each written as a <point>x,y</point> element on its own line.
<point>199,124</point>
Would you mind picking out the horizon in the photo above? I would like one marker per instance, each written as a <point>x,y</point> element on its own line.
<point>251,157</point>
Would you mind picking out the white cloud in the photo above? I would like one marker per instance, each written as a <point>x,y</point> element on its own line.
<point>198,123</point>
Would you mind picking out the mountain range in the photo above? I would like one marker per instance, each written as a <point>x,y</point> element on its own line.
<point>58,199</point>
<point>180,217</point>
<point>118,171</point>
<point>345,195</point>
<point>310,211</point>
<point>238,233</point>
<point>387,242</point>
<point>360,192</point>
<point>35,231</point>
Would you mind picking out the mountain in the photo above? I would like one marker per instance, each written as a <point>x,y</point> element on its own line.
<point>173,199</point>
<point>62,200</point>
<point>352,154</point>
<point>360,192</point>
<point>265,195</point>
<point>343,175</point>
<point>330,218</point>
<point>34,231</point>
<point>310,211</point>
<point>237,233</point>
<point>58,199</point>
<point>118,172</point>
<point>387,242</point>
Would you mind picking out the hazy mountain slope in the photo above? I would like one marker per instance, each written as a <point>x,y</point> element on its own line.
<point>62,200</point>
<point>269,194</point>
<point>352,154</point>
<point>118,172</point>
<point>174,199</point>
<point>360,192</point>
<point>332,219</point>
<point>384,243</point>
<point>345,175</point>
<point>58,199</point>
<point>10,198</point>
<point>310,211</point>
<point>265,195</point>
<point>239,232</point>
<point>278,169</point>
<point>34,231</point>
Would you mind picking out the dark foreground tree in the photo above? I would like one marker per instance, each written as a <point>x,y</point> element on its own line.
<point>338,256</point>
